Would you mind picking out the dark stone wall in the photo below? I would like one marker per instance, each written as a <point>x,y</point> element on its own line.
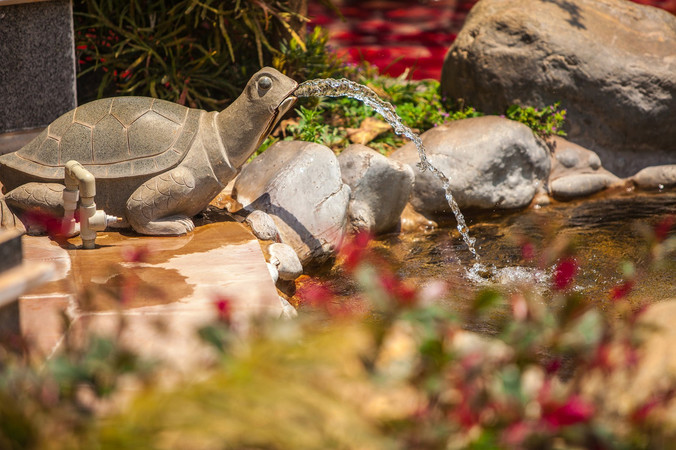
<point>37,64</point>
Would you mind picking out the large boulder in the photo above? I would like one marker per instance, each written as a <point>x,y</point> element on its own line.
<point>611,63</point>
<point>492,163</point>
<point>380,188</point>
<point>299,185</point>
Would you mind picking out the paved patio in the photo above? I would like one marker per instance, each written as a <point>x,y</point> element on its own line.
<point>164,288</point>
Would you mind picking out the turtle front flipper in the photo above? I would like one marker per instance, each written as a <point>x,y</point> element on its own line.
<point>163,205</point>
<point>45,197</point>
<point>9,220</point>
<point>40,206</point>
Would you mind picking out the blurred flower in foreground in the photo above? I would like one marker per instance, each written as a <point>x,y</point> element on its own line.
<point>565,272</point>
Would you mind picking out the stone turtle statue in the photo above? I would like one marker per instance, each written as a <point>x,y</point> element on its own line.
<point>156,163</point>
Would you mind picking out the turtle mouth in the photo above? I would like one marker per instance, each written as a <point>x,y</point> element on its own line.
<point>278,113</point>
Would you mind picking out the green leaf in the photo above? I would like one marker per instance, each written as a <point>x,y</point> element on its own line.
<point>487,299</point>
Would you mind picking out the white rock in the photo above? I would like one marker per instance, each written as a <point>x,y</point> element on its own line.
<point>285,261</point>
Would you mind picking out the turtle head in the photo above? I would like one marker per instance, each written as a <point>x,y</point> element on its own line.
<point>246,123</point>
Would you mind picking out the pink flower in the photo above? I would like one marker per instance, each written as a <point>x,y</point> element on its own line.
<point>519,307</point>
<point>564,273</point>
<point>515,434</point>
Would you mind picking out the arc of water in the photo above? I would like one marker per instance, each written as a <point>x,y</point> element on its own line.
<point>330,87</point>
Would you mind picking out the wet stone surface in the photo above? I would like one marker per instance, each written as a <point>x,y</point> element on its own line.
<point>147,280</point>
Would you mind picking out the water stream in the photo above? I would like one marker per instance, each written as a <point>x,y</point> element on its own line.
<point>330,87</point>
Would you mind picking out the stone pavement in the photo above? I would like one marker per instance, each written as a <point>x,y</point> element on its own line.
<point>164,288</point>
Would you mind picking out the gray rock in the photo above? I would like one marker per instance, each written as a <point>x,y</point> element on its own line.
<point>492,163</point>
<point>284,259</point>
<point>380,188</point>
<point>576,171</point>
<point>262,226</point>
<point>569,158</point>
<point>611,63</point>
<point>657,177</point>
<point>299,185</point>
<point>580,185</point>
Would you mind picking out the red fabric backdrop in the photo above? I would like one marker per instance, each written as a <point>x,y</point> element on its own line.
<point>399,34</point>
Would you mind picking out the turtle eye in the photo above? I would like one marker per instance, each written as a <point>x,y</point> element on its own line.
<point>265,83</point>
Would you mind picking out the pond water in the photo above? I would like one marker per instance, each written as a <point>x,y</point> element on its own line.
<point>606,232</point>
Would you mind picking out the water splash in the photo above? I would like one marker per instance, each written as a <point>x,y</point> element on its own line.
<point>482,275</point>
<point>329,87</point>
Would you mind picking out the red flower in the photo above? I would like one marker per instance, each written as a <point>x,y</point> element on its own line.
<point>663,227</point>
<point>622,290</point>
<point>640,414</point>
<point>321,297</point>
<point>40,220</point>
<point>527,251</point>
<point>135,254</point>
<point>354,250</point>
<point>574,411</point>
<point>398,290</point>
<point>564,273</point>
<point>603,358</point>
<point>224,309</point>
<point>553,366</point>
<point>315,294</point>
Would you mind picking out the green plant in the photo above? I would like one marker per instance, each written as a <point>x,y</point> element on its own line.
<point>544,122</point>
<point>195,53</point>
<point>312,60</point>
<point>391,367</point>
<point>310,125</point>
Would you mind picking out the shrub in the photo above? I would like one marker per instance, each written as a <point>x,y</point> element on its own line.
<point>199,54</point>
<point>392,367</point>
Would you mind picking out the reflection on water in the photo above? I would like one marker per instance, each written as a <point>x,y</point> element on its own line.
<point>605,232</point>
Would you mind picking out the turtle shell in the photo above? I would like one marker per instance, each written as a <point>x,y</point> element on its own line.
<point>113,138</point>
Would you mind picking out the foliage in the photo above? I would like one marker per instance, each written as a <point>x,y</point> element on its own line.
<point>418,103</point>
<point>329,121</point>
<point>545,122</point>
<point>199,54</point>
<point>390,368</point>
